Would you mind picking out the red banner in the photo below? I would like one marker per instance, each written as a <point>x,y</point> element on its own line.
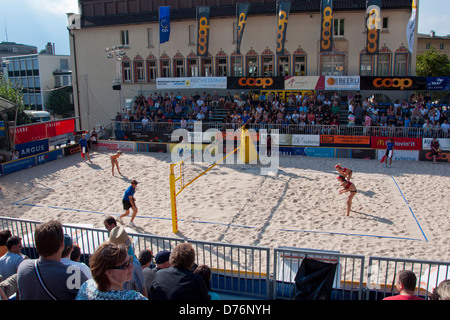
<point>38,131</point>
<point>400,143</point>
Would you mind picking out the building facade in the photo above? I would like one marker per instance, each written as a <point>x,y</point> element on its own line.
<point>428,41</point>
<point>38,75</point>
<point>128,32</point>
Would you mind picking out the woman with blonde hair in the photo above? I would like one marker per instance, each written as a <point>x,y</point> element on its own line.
<point>346,172</point>
<point>115,162</point>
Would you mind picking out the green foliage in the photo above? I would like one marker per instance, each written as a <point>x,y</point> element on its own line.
<point>432,64</point>
<point>9,92</point>
<point>59,101</point>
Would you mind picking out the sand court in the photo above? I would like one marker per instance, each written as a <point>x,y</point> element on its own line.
<point>397,212</point>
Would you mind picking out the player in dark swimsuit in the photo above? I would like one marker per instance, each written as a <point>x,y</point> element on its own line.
<point>347,187</point>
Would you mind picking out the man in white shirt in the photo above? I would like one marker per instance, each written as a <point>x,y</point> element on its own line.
<point>65,257</point>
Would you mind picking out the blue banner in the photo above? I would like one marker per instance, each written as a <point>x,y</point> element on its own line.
<point>31,148</point>
<point>18,165</point>
<point>438,83</point>
<point>164,24</point>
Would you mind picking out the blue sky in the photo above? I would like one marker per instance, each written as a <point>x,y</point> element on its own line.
<point>36,22</point>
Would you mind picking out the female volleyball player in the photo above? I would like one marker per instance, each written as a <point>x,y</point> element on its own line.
<point>346,172</point>
<point>347,187</point>
<point>115,162</point>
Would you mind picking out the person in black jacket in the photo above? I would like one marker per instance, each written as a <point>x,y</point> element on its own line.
<point>179,282</point>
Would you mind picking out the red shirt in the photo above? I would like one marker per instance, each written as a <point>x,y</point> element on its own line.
<point>403,297</point>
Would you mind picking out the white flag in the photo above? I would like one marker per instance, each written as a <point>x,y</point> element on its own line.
<point>411,27</point>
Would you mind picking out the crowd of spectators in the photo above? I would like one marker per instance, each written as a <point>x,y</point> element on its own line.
<point>294,109</point>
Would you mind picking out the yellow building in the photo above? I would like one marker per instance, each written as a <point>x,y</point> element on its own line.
<point>116,42</point>
<point>428,41</point>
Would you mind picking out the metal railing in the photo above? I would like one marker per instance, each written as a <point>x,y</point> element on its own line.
<point>342,130</point>
<point>253,272</point>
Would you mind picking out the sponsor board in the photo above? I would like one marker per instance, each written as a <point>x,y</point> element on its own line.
<point>17,165</point>
<point>400,143</point>
<point>72,149</point>
<point>342,82</point>
<point>306,140</point>
<point>355,153</point>
<point>301,83</point>
<point>151,147</point>
<point>115,145</point>
<point>425,155</point>
<point>31,148</point>
<point>49,156</point>
<point>192,83</point>
<point>443,143</point>
<point>356,141</point>
<point>400,155</point>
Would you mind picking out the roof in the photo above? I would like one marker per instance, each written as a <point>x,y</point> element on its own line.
<point>427,36</point>
<point>230,11</point>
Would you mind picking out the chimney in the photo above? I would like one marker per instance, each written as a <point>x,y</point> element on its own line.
<point>432,33</point>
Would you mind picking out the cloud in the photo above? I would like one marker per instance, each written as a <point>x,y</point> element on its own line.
<point>53,7</point>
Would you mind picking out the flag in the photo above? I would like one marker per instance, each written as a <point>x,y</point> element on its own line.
<point>373,24</point>
<point>164,24</point>
<point>242,14</point>
<point>411,27</point>
<point>203,31</point>
<point>282,20</point>
<point>326,34</point>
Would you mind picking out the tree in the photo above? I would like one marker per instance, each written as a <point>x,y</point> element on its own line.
<point>432,64</point>
<point>9,92</point>
<point>59,101</point>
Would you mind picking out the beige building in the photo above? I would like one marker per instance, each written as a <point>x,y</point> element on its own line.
<point>428,41</point>
<point>117,42</point>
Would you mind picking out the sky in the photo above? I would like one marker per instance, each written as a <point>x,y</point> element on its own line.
<point>36,22</point>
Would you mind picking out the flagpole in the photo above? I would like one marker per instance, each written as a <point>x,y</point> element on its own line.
<point>159,38</point>
<point>237,27</point>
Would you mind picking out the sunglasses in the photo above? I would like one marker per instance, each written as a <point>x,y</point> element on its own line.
<point>125,265</point>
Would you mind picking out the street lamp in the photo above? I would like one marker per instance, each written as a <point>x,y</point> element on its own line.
<point>117,52</point>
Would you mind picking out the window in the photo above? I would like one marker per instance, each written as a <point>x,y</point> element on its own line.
<point>191,34</point>
<point>338,27</point>
<point>124,38</point>
<point>283,66</point>
<point>441,46</point>
<point>236,63</point>
<point>138,70</point>
<point>126,71</point>
<point>332,65</point>
<point>427,45</point>
<point>192,67</point>
<point>385,24</point>
<point>401,64</point>
<point>384,64</point>
<point>267,65</point>
<point>165,68</point>
<point>221,65</point>
<point>151,70</point>
<point>63,63</point>
<point>252,66</point>
<point>179,67</point>
<point>150,37</point>
<point>299,65</point>
<point>206,67</point>
<point>366,65</point>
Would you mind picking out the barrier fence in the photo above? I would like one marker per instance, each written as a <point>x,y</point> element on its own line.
<point>345,130</point>
<point>262,272</point>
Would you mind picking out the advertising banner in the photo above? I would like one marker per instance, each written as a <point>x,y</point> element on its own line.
<point>275,83</point>
<point>342,83</point>
<point>306,140</point>
<point>411,27</point>
<point>2,129</point>
<point>164,24</point>
<point>443,143</point>
<point>203,31</point>
<point>355,153</point>
<point>425,155</point>
<point>31,148</point>
<point>438,83</point>
<point>373,25</point>
<point>242,9</point>
<point>18,165</point>
<point>302,83</point>
<point>115,145</point>
<point>29,133</point>
<point>326,29</point>
<point>60,127</point>
<point>151,147</point>
<point>400,143</point>
<point>49,156</point>
<point>282,22</point>
<point>72,149</point>
<point>341,141</point>
<point>401,155</point>
<point>393,83</point>
<point>192,83</point>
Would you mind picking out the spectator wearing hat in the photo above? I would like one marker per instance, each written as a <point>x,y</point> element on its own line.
<point>128,202</point>
<point>111,267</point>
<point>162,262</point>
<point>178,282</point>
<point>65,257</point>
<point>118,235</point>
<point>46,278</point>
